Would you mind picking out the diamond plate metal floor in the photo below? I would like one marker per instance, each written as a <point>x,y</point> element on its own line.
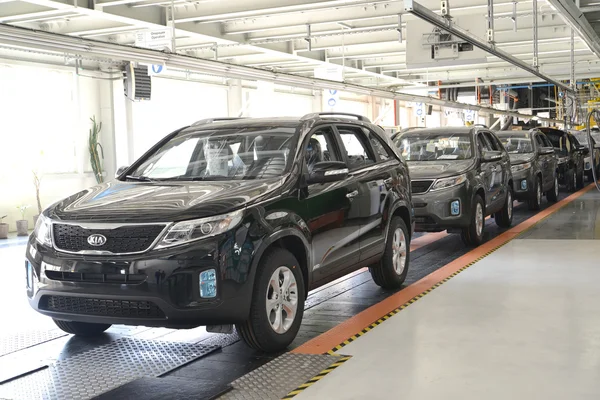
<point>277,378</point>
<point>22,340</point>
<point>104,368</point>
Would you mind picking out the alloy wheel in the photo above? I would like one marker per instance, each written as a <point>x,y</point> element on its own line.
<point>399,251</point>
<point>282,300</point>
<point>509,205</point>
<point>479,219</point>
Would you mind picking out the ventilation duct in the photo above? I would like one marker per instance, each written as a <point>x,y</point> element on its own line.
<point>138,84</point>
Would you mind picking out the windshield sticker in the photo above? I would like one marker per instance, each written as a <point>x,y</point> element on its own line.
<point>448,157</point>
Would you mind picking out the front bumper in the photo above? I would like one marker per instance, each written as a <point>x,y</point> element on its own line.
<point>523,184</point>
<point>433,209</point>
<point>162,287</point>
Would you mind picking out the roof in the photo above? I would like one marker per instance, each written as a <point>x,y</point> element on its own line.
<point>445,130</point>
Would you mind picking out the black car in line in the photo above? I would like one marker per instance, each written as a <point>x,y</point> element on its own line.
<point>571,155</point>
<point>592,158</point>
<point>459,175</point>
<point>533,166</point>
<point>226,222</point>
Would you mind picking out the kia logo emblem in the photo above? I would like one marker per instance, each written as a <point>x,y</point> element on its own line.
<point>96,240</point>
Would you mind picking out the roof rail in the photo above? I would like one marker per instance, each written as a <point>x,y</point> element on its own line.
<point>211,120</point>
<point>333,114</point>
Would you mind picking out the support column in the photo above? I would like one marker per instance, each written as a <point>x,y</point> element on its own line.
<point>535,34</point>
<point>235,100</point>
<point>122,115</point>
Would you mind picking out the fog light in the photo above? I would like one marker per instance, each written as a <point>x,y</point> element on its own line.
<point>208,283</point>
<point>524,184</point>
<point>455,207</point>
<point>29,275</point>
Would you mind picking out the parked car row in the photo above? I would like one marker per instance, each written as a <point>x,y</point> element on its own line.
<point>233,221</point>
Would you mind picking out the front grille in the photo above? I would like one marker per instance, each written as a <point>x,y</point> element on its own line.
<point>124,279</point>
<point>125,239</point>
<point>421,186</point>
<point>103,307</point>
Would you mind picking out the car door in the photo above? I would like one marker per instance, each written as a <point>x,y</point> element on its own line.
<point>576,150</point>
<point>374,178</point>
<point>329,210</point>
<point>549,163</point>
<point>542,161</point>
<point>499,173</point>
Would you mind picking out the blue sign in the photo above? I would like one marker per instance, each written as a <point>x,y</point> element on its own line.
<point>331,102</point>
<point>332,92</point>
<point>157,69</point>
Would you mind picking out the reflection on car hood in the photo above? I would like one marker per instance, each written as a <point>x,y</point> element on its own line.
<point>520,158</point>
<point>438,169</point>
<point>160,201</point>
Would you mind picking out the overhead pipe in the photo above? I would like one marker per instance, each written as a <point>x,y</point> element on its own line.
<point>51,42</point>
<point>426,14</point>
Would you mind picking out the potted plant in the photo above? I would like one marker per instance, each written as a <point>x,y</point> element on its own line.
<point>37,183</point>
<point>23,224</point>
<point>3,228</point>
<point>96,156</point>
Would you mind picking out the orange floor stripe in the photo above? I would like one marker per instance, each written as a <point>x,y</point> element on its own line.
<point>328,340</point>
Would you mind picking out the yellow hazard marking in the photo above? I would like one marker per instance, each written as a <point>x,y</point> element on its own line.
<point>316,378</point>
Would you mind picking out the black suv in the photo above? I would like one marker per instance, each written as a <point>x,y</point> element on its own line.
<point>533,166</point>
<point>589,160</point>
<point>226,222</point>
<point>459,175</point>
<point>571,155</point>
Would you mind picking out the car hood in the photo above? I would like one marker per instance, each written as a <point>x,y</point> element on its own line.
<point>160,201</point>
<point>520,158</point>
<point>438,169</point>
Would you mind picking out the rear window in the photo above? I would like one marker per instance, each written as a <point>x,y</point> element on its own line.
<point>516,143</point>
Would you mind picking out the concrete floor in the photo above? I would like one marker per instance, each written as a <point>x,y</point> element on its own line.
<point>523,323</point>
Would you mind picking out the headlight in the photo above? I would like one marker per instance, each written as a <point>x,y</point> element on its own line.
<point>43,231</point>
<point>188,231</point>
<point>520,167</point>
<point>448,182</point>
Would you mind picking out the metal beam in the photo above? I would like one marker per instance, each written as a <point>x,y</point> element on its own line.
<point>431,17</point>
<point>49,42</point>
<point>574,17</point>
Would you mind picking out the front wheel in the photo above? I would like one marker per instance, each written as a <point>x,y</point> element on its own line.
<point>504,217</point>
<point>81,328</point>
<point>536,201</point>
<point>473,234</point>
<point>552,194</point>
<point>277,303</point>
<point>392,269</point>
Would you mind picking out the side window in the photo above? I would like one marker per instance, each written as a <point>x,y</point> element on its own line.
<point>356,147</point>
<point>540,141</point>
<point>482,143</point>
<point>492,141</point>
<point>321,147</point>
<point>547,142</point>
<point>380,148</point>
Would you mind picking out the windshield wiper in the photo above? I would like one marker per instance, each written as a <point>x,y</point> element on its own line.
<point>196,178</point>
<point>139,178</point>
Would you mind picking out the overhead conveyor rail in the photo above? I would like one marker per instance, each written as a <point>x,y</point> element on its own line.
<point>63,44</point>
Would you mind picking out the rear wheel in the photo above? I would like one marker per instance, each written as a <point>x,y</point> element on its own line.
<point>391,271</point>
<point>81,328</point>
<point>504,217</point>
<point>473,234</point>
<point>535,202</point>
<point>552,194</point>
<point>277,303</point>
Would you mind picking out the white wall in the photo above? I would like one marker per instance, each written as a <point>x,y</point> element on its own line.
<point>44,128</point>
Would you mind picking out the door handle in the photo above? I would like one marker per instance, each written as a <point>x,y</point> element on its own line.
<point>352,194</point>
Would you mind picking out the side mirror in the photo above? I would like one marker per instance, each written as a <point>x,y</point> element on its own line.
<point>328,171</point>
<point>491,156</point>
<point>121,170</point>
<point>546,151</point>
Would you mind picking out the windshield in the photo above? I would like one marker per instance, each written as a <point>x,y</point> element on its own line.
<point>425,146</point>
<point>516,143</point>
<point>581,137</point>
<point>223,154</point>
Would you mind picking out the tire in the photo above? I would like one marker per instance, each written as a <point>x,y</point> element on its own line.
<point>471,235</point>
<point>81,328</point>
<point>390,272</point>
<point>572,180</point>
<point>580,180</point>
<point>261,331</point>
<point>536,201</point>
<point>552,194</point>
<point>504,217</point>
